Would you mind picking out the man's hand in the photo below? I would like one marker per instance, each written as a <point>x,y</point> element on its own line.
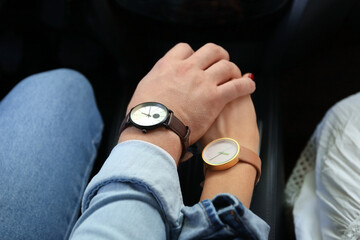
<point>194,85</point>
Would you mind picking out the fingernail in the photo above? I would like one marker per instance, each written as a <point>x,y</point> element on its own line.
<point>250,75</point>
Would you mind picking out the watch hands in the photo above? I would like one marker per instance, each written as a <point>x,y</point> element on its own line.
<point>224,153</point>
<point>215,156</point>
<point>221,153</point>
<point>145,114</point>
<point>156,112</point>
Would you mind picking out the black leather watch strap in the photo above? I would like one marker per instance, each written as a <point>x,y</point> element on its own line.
<point>172,123</point>
<point>182,131</point>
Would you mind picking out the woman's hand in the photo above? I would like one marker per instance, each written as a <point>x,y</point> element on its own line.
<point>238,121</point>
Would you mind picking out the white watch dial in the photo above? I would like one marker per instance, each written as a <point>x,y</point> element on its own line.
<point>149,114</point>
<point>220,151</point>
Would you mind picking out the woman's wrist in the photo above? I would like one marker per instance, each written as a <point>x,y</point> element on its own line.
<point>238,180</point>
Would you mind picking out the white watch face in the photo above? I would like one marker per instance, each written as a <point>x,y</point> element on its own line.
<point>220,151</point>
<point>149,114</point>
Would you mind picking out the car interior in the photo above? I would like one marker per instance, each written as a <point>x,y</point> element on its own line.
<point>305,56</point>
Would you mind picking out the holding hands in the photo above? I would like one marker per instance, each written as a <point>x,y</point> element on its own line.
<point>196,86</point>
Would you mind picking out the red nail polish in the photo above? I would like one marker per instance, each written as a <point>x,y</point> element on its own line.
<point>250,75</point>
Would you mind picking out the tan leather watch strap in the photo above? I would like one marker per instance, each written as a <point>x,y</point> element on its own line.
<point>250,157</point>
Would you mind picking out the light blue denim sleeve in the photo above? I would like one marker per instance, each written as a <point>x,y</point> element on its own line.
<point>136,195</point>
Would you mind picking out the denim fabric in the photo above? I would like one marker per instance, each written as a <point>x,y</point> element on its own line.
<point>136,195</point>
<point>50,128</point>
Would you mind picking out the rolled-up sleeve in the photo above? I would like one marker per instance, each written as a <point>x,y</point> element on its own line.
<point>137,186</point>
<point>136,195</point>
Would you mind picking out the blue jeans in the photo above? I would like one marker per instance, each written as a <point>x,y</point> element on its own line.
<point>50,128</point>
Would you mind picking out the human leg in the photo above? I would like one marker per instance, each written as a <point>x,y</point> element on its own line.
<point>49,132</point>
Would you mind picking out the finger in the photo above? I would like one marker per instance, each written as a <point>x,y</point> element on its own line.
<point>249,75</point>
<point>208,54</point>
<point>236,88</point>
<point>180,51</point>
<point>223,71</point>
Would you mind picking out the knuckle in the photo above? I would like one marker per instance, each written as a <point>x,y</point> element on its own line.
<point>225,53</point>
<point>211,45</point>
<point>161,64</point>
<point>218,50</point>
<point>235,70</point>
<point>226,65</point>
<point>184,67</point>
<point>184,46</point>
<point>231,68</point>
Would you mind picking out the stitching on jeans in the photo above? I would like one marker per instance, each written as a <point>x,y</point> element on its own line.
<point>206,214</point>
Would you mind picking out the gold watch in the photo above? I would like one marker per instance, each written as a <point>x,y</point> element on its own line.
<point>224,153</point>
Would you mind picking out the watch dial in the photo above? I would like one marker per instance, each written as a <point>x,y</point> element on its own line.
<point>220,151</point>
<point>149,114</point>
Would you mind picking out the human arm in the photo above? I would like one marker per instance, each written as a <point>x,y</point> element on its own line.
<point>126,200</point>
<point>136,195</point>
<point>195,86</point>
<point>141,170</point>
<point>237,121</point>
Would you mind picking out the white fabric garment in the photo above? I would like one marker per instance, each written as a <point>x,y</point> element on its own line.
<point>324,188</point>
<point>307,220</point>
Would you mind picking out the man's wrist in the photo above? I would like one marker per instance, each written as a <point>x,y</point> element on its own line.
<point>162,137</point>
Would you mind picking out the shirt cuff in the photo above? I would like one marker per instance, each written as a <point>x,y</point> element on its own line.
<point>145,164</point>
